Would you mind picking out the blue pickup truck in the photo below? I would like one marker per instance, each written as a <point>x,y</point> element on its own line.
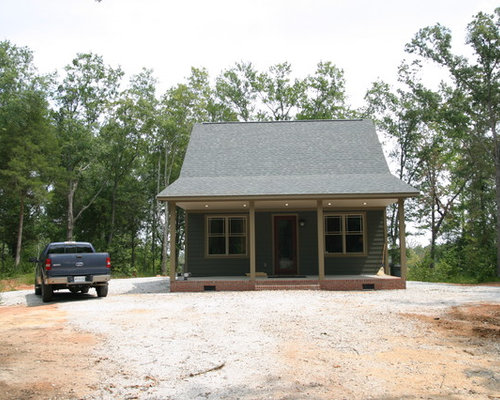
<point>71,265</point>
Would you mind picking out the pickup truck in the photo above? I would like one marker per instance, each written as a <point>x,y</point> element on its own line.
<point>71,265</point>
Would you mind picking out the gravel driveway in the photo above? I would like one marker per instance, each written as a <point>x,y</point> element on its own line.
<point>279,344</point>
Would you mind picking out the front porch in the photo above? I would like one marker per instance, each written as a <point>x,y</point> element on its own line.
<point>313,282</point>
<point>303,249</point>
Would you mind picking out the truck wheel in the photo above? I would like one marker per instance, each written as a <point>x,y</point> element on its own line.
<point>102,291</point>
<point>38,287</point>
<point>47,292</point>
<point>85,289</point>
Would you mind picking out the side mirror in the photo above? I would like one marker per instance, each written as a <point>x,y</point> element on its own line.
<point>33,259</point>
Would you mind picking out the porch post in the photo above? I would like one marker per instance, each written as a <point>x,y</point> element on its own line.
<point>173,253</point>
<point>321,240</point>
<point>251,224</point>
<point>385,256</point>
<point>402,237</point>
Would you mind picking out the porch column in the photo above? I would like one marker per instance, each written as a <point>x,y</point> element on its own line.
<point>251,225</point>
<point>402,237</point>
<point>321,240</point>
<point>173,253</point>
<point>385,256</point>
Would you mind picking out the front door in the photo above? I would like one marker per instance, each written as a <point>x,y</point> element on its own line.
<point>285,244</point>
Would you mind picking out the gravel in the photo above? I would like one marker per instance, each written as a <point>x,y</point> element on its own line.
<point>247,345</point>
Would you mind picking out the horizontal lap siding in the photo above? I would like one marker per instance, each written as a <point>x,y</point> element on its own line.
<point>369,264</point>
<point>198,263</point>
<point>308,244</point>
<point>264,242</point>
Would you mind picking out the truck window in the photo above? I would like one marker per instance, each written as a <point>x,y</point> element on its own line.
<point>56,250</point>
<point>70,249</point>
<point>84,249</point>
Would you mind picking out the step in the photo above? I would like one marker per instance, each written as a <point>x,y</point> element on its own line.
<point>287,287</point>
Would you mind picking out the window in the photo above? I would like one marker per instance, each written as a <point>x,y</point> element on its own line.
<point>344,234</point>
<point>227,236</point>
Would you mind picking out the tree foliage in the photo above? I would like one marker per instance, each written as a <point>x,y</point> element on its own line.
<point>83,155</point>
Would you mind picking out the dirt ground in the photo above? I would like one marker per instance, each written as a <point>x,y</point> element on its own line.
<point>42,357</point>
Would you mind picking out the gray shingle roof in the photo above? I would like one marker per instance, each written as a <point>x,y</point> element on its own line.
<point>285,158</point>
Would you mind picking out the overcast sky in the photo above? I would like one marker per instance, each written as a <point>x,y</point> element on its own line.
<point>364,38</point>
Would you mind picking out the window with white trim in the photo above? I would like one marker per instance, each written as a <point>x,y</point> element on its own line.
<point>227,235</point>
<point>344,234</point>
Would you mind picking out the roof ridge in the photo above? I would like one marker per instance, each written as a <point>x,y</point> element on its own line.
<point>288,121</point>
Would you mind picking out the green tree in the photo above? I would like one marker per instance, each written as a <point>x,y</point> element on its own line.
<point>325,96</point>
<point>277,92</point>
<point>479,80</point>
<point>27,146</point>
<point>235,88</point>
<point>83,98</point>
<point>396,115</point>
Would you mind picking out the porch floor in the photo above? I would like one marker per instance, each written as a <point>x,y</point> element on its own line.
<point>311,282</point>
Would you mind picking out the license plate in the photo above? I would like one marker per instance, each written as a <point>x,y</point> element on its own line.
<point>78,279</point>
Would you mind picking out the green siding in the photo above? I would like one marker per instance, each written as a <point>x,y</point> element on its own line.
<point>369,264</point>
<point>199,265</point>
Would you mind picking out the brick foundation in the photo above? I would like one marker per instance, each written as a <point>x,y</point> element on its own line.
<point>285,284</point>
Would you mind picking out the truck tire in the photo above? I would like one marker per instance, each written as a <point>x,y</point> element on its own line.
<point>85,289</point>
<point>38,287</point>
<point>47,292</point>
<point>102,291</point>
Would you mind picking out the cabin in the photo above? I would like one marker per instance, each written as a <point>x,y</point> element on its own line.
<point>286,205</point>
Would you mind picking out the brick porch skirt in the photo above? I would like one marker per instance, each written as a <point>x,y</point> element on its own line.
<point>220,284</point>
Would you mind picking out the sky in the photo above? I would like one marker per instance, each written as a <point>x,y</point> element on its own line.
<point>364,38</point>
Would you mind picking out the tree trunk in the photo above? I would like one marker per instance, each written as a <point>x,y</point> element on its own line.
<point>3,256</point>
<point>71,218</point>
<point>497,196</point>
<point>20,232</point>
<point>113,213</point>
<point>433,221</point>
<point>132,245</point>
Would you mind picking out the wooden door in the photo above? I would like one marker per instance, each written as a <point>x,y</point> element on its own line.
<point>285,244</point>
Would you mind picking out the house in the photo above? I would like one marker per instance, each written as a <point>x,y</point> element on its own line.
<point>286,204</point>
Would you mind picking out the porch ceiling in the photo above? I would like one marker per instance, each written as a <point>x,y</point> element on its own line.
<point>284,204</point>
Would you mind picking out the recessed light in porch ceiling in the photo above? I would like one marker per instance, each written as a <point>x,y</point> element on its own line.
<point>244,205</point>
<point>364,203</point>
<point>286,204</point>
<point>329,204</point>
<point>206,205</point>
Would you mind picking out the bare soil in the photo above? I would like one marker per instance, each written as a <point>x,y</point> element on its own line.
<point>41,358</point>
<point>13,284</point>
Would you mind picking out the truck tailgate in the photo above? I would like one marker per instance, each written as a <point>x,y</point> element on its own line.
<point>79,264</point>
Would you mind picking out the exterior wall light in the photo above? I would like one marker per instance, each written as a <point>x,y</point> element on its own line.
<point>302,223</point>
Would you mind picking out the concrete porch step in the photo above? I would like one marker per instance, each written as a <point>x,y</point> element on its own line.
<point>287,287</point>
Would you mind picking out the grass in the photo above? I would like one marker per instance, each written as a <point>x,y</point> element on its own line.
<point>9,284</point>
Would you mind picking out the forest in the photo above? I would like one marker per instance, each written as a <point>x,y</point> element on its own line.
<point>85,151</point>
